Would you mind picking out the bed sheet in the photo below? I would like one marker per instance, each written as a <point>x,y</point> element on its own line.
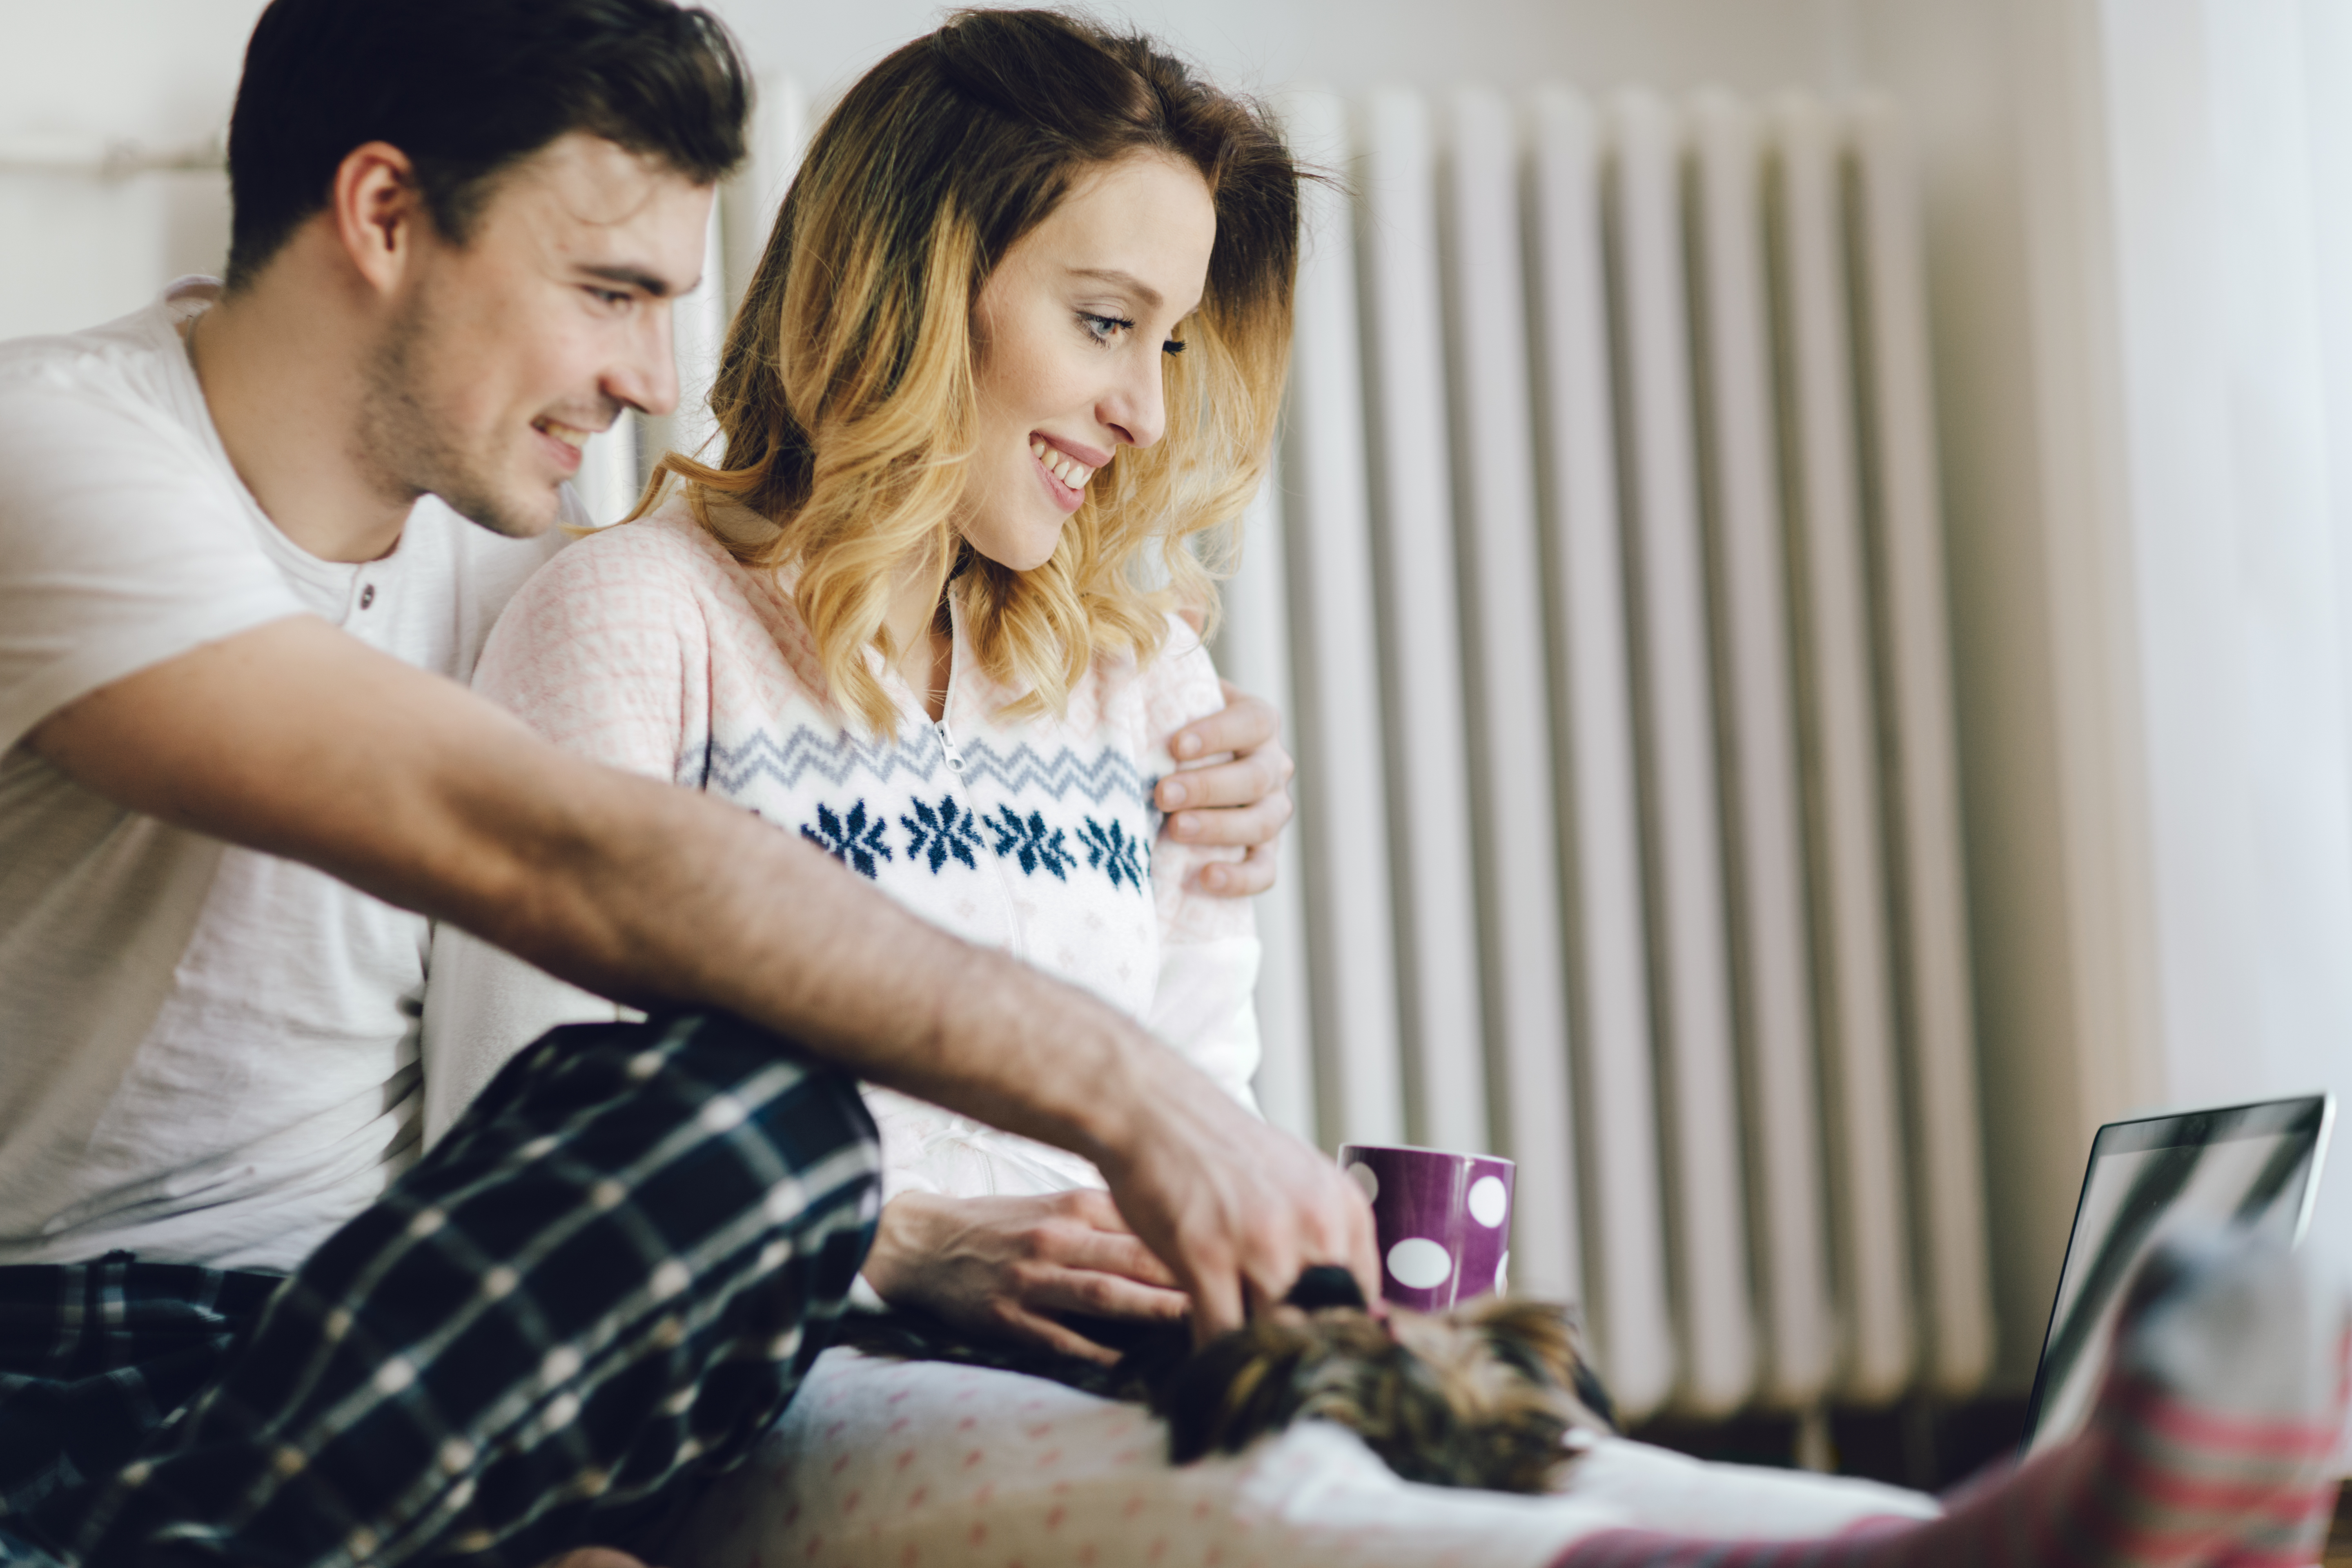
<point>887,1463</point>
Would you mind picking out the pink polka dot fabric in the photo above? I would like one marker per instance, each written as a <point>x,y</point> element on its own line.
<point>882,1464</point>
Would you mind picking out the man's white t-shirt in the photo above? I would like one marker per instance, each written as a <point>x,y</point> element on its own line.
<point>207,1055</point>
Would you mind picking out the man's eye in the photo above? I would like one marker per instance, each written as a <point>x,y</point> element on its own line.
<point>1105,329</point>
<point>610,297</point>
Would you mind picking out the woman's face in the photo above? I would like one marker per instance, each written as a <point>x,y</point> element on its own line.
<point>1071,327</point>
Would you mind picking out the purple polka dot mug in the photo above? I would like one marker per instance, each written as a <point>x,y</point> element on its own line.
<point>1443,1220</point>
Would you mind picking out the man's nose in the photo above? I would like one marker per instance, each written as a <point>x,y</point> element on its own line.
<point>646,376</point>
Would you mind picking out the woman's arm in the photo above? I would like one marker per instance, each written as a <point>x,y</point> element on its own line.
<point>561,660</point>
<point>1203,1001</point>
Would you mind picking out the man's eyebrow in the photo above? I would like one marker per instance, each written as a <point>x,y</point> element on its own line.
<point>635,278</point>
<point>1145,294</point>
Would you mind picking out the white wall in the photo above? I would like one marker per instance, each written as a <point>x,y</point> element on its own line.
<point>2142,285</point>
<point>164,71</point>
<point>159,72</point>
<point>2143,324</point>
<point>2236,402</point>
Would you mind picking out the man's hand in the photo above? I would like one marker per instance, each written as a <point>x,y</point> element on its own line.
<point>1245,801</point>
<point>1001,1267</point>
<point>1237,1208</point>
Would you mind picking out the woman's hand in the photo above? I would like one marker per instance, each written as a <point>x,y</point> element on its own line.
<point>1245,801</point>
<point>1001,1266</point>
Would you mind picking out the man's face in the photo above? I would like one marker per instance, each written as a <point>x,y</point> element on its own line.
<point>502,355</point>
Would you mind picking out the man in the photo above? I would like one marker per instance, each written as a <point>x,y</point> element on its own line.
<point>227,625</point>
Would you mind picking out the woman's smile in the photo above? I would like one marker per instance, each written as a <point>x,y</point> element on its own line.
<point>1066,475</point>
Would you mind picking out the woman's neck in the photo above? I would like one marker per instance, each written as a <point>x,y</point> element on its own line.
<point>916,622</point>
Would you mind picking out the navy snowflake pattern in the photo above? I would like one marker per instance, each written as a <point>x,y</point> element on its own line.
<point>1116,854</point>
<point>944,830</point>
<point>937,833</point>
<point>849,837</point>
<point>1031,843</point>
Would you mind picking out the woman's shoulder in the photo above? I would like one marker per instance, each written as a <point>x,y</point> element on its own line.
<point>1180,684</point>
<point>628,590</point>
<point>1181,657</point>
<point>1145,698</point>
<point>664,569</point>
<point>666,551</point>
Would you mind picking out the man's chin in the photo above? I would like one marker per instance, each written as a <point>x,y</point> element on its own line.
<point>511,516</point>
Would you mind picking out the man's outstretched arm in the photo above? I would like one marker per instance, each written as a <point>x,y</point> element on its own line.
<point>299,740</point>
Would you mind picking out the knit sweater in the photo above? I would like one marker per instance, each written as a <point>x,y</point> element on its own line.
<point>650,648</point>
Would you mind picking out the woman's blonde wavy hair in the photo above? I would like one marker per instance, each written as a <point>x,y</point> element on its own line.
<point>847,394</point>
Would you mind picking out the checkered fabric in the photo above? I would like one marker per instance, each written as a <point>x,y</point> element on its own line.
<point>94,1356</point>
<point>595,1295</point>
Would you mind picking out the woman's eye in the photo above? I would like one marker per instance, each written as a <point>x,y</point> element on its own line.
<point>1172,346</point>
<point>1105,329</point>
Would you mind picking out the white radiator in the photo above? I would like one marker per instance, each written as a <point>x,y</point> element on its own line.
<point>1601,581</point>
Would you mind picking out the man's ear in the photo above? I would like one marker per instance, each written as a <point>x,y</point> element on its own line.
<point>378,212</point>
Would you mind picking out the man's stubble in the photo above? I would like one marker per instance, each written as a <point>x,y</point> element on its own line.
<point>409,446</point>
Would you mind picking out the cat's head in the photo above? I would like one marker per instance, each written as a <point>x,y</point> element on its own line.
<point>1483,1395</point>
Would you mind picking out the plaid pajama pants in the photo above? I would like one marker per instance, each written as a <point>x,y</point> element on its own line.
<point>589,1299</point>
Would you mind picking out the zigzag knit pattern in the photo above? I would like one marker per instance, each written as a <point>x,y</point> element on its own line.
<point>786,761</point>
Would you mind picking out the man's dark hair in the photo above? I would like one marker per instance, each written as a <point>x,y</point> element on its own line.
<point>467,89</point>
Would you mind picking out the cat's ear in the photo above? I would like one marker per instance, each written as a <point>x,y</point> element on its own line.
<point>1325,1285</point>
<point>1542,1341</point>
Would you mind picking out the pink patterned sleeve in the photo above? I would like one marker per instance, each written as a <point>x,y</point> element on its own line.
<point>1181,686</point>
<point>606,651</point>
<point>1205,1002</point>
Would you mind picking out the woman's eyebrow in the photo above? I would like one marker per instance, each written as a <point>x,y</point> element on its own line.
<point>1145,294</point>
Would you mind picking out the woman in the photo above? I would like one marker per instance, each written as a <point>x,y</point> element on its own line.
<point>1017,337</point>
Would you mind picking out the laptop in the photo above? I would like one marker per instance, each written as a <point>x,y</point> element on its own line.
<point>2150,1178</point>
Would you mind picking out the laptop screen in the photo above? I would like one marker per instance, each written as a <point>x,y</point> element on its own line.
<point>2151,1179</point>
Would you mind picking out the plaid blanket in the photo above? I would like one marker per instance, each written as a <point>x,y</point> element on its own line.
<point>591,1297</point>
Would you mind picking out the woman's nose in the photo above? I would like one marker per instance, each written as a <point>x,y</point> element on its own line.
<point>1138,406</point>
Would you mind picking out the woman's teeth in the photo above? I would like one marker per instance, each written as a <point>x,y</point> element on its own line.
<point>566,433</point>
<point>1071,473</point>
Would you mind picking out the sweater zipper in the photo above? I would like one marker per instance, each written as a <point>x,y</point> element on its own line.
<point>1018,944</point>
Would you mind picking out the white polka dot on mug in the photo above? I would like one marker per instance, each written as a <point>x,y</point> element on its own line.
<point>1444,1221</point>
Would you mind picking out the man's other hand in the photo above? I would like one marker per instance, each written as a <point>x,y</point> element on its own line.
<point>1003,1267</point>
<point>1244,801</point>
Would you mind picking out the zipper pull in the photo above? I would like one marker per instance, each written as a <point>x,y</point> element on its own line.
<point>946,745</point>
